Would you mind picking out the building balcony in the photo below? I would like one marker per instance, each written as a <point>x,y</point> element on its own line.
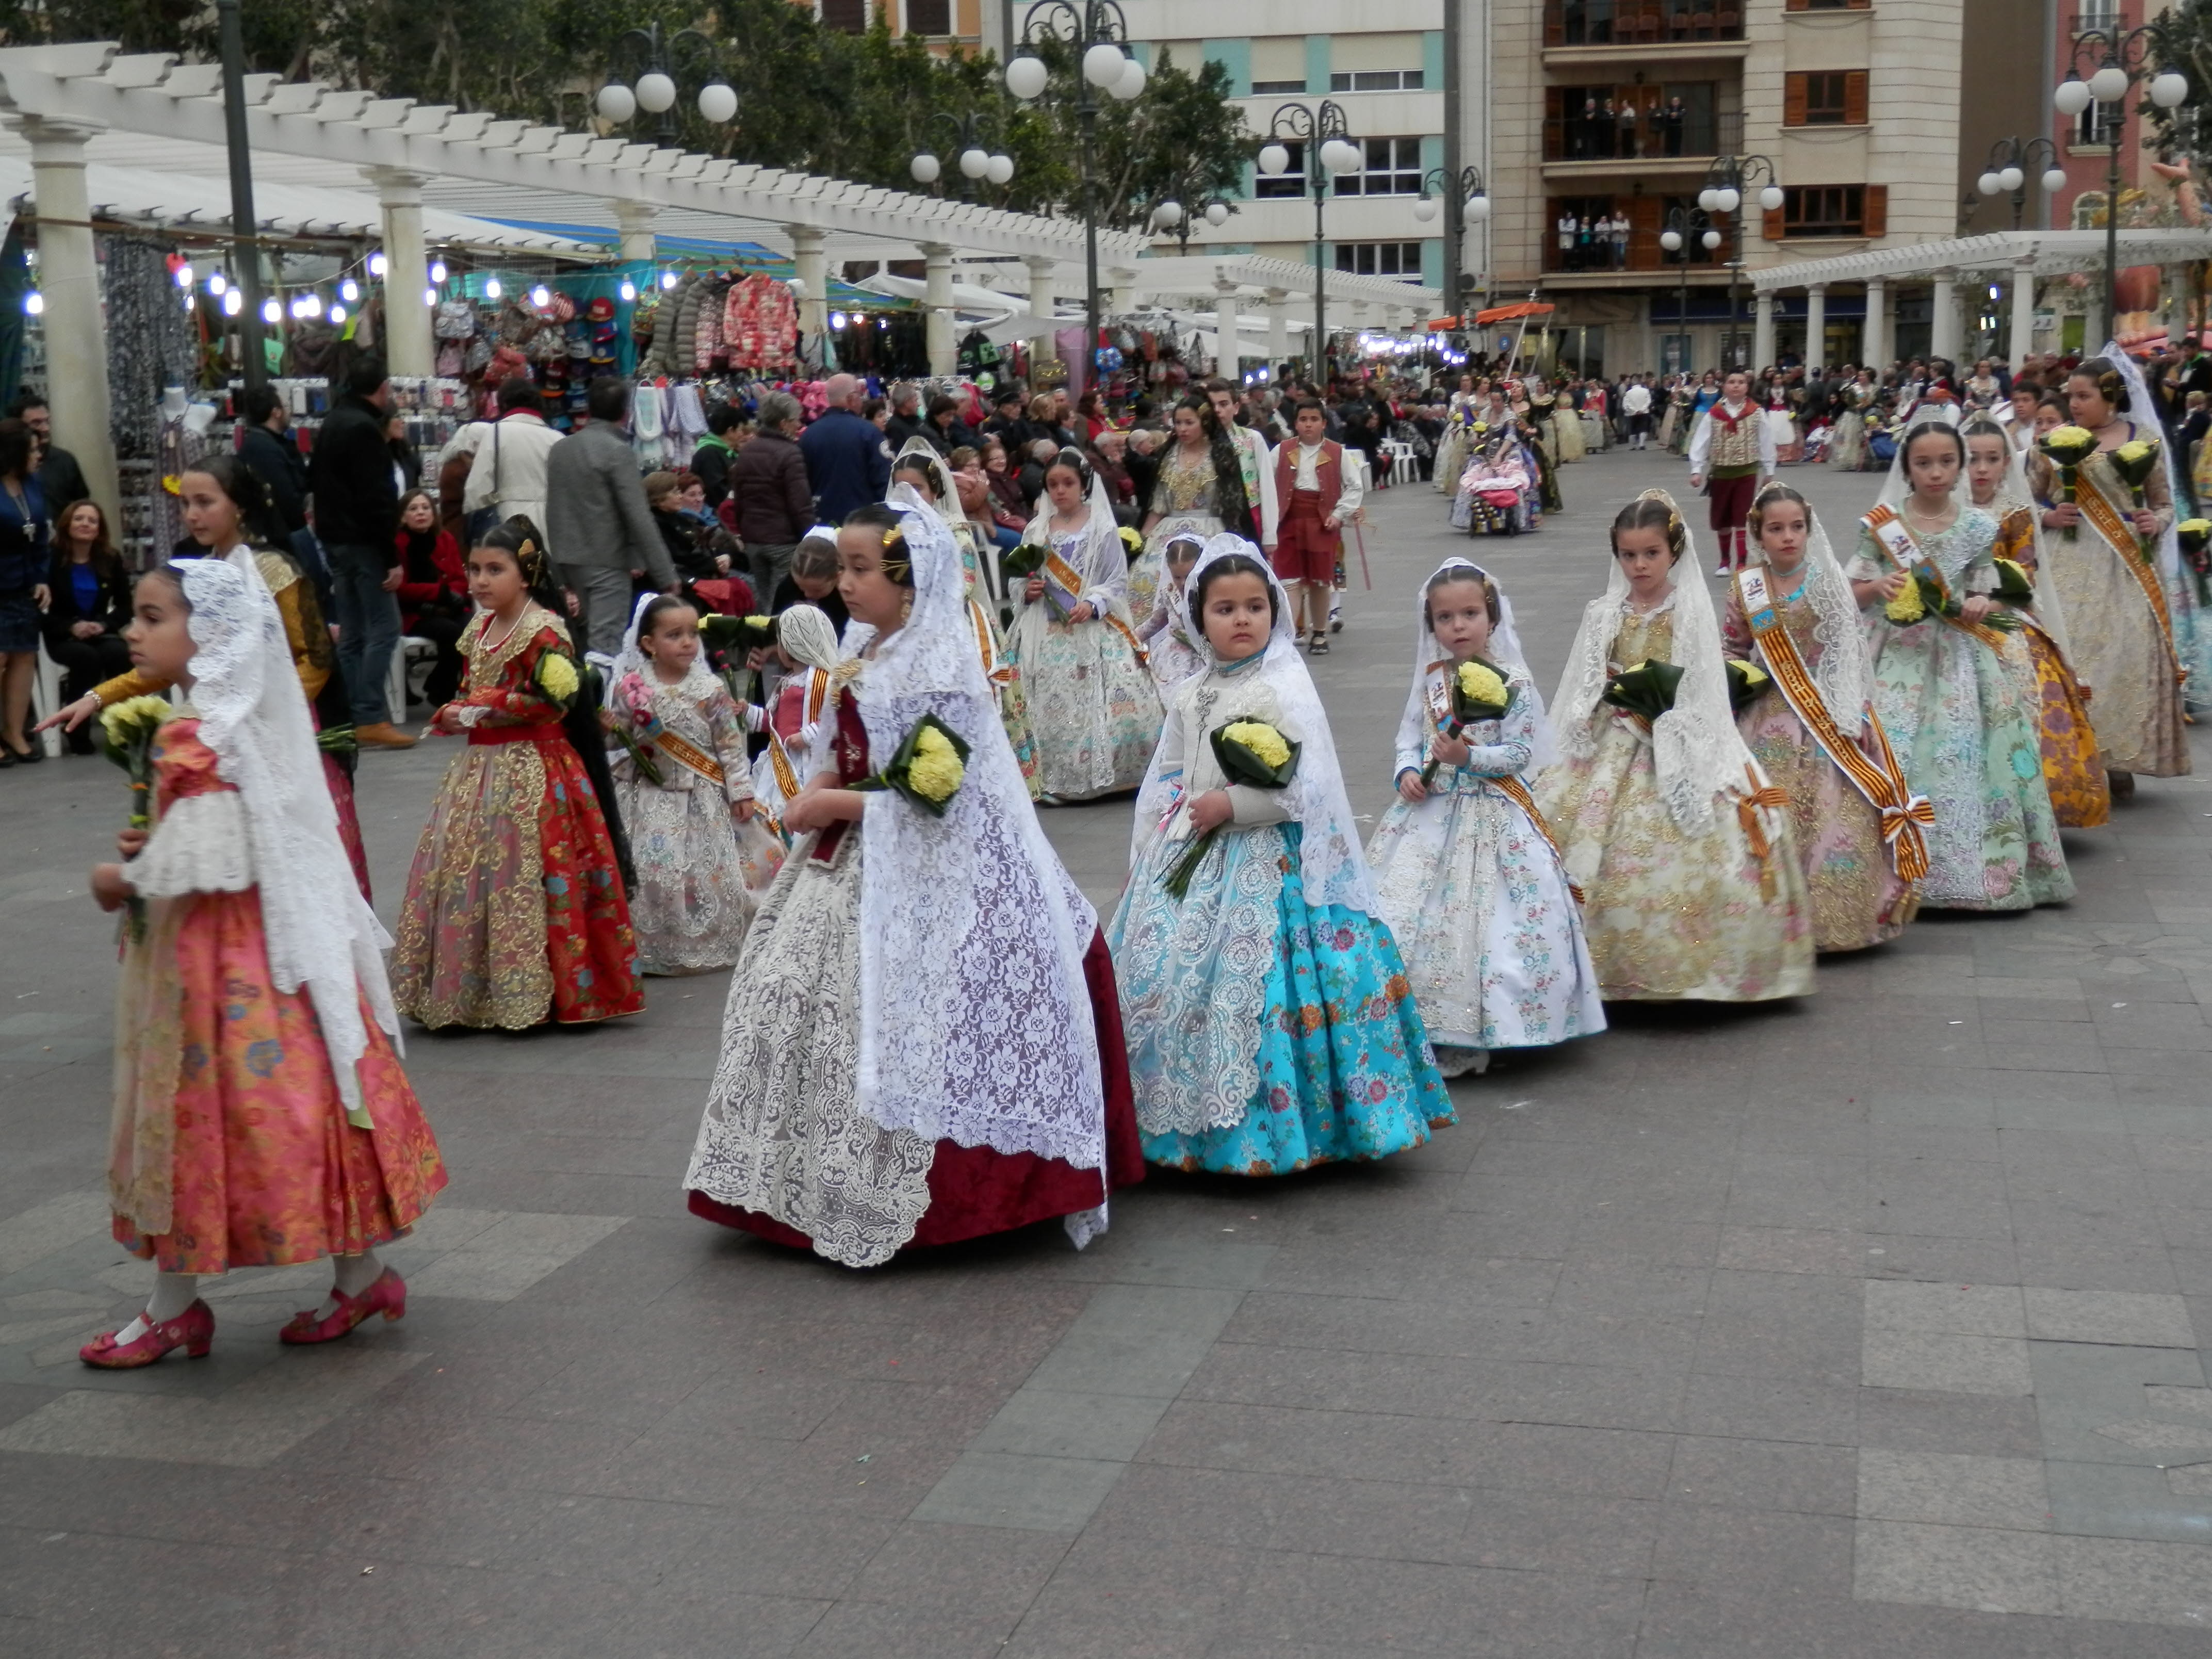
<point>1648,26</point>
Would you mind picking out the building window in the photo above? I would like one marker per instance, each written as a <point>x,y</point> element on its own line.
<point>847,16</point>
<point>1259,87</point>
<point>1380,258</point>
<point>1643,22</point>
<point>1823,210</point>
<point>1377,80</point>
<point>1825,100</point>
<point>1290,181</point>
<point>2093,127</point>
<point>1393,169</point>
<point>2100,14</point>
<point>929,16</point>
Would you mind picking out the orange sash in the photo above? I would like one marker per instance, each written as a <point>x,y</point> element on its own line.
<point>686,753</point>
<point>2114,528</point>
<point>1517,791</point>
<point>1891,535</point>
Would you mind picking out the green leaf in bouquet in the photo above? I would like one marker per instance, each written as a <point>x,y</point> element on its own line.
<point>1254,752</point>
<point>928,768</point>
<point>1746,683</point>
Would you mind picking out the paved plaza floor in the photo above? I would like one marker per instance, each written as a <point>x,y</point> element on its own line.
<point>1865,1324</point>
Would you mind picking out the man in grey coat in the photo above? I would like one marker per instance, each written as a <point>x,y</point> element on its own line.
<point>597,519</point>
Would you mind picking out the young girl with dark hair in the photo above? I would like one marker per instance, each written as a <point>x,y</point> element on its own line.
<point>516,911</point>
<point>1201,492</point>
<point>1271,1026</point>
<point>1094,714</point>
<point>1692,887</point>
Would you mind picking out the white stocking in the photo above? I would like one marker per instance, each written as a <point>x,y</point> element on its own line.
<point>352,1274</point>
<point>173,1294</point>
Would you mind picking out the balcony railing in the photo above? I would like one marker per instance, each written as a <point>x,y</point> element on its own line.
<point>1661,130</point>
<point>1640,23</point>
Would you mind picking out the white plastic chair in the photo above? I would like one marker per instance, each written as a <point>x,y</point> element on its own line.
<point>46,697</point>
<point>1404,468</point>
<point>398,679</point>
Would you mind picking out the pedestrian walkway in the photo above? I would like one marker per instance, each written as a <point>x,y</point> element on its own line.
<point>1861,1326</point>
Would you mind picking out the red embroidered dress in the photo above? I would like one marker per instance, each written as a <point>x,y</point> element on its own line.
<point>515,912</point>
<point>231,1146</point>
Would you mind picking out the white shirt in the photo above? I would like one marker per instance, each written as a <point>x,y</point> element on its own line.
<point>1637,400</point>
<point>1701,441</point>
<point>1351,491</point>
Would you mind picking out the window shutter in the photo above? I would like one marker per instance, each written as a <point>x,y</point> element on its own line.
<point>1794,94</point>
<point>1643,216</point>
<point>1855,98</point>
<point>1771,222</point>
<point>1799,5</point>
<point>1555,124</point>
<point>1875,218</point>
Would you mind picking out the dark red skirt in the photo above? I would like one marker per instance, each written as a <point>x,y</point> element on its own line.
<point>974,1190</point>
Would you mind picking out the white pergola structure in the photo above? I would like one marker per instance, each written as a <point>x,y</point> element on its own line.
<point>70,106</point>
<point>2013,256</point>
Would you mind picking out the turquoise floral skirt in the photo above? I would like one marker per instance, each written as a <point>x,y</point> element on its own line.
<point>1345,1066</point>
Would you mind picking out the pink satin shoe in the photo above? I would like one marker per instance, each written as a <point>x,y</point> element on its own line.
<point>388,1295</point>
<point>191,1330</point>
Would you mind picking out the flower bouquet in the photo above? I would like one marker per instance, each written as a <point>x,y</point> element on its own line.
<point>2196,537</point>
<point>2015,586</point>
<point>2067,447</point>
<point>1746,683</point>
<point>1647,690</point>
<point>630,721</point>
<point>1926,594</point>
<point>338,740</point>
<point>1251,752</point>
<point>1030,559</point>
<point>2135,461</point>
<point>928,768</point>
<point>724,637</point>
<point>559,679</point>
<point>1478,692</point>
<point>127,734</point>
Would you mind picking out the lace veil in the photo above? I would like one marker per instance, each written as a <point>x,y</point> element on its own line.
<point>975,1016</point>
<point>1504,649</point>
<point>1105,565</point>
<point>1843,676</point>
<point>1695,749</point>
<point>2014,491</point>
<point>632,659</point>
<point>1895,487</point>
<point>321,933</point>
<point>1334,867</point>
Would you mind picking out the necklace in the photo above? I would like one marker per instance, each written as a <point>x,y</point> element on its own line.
<point>1934,522</point>
<point>488,645</point>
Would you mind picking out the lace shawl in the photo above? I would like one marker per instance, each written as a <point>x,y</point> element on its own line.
<point>1696,751</point>
<point>321,933</point>
<point>1334,867</point>
<point>1504,649</point>
<point>1104,565</point>
<point>1843,674</point>
<point>976,1019</point>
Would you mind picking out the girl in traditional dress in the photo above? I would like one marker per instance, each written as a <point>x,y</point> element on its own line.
<point>1792,611</point>
<point>1170,650</point>
<point>1466,873</point>
<point>1201,492</point>
<point>922,1041</point>
<point>515,911</point>
<point>2107,563</point>
<point>260,1114</point>
<point>2073,769</point>
<point>1270,1023</point>
<point>793,721</point>
<point>1789,445</point>
<point>226,508</point>
<point>691,903</point>
<point>1691,886</point>
<point>920,478</point>
<point>1451,454</point>
<point>1097,712</point>
<point>1954,714</point>
<point>1847,440</point>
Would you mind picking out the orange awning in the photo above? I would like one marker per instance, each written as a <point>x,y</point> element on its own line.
<point>1512,313</point>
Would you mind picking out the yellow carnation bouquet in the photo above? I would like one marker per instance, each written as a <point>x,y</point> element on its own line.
<point>1926,594</point>
<point>2135,461</point>
<point>127,731</point>
<point>2067,447</point>
<point>928,769</point>
<point>557,678</point>
<point>2195,536</point>
<point>1250,752</point>
<point>1479,691</point>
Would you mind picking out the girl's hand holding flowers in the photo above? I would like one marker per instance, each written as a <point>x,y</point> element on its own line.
<point>1411,789</point>
<point>1033,589</point>
<point>1081,613</point>
<point>111,887</point>
<point>1449,749</point>
<point>1976,606</point>
<point>1211,811</point>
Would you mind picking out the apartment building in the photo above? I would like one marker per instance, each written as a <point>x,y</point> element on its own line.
<point>1869,115</point>
<point>946,24</point>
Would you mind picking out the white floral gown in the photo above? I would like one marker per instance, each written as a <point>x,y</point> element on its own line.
<point>691,907</point>
<point>1476,897</point>
<point>1094,713</point>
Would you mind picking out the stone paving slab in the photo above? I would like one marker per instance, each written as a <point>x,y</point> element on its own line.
<point>1867,1324</point>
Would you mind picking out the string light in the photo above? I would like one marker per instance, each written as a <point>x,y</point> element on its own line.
<point>667,279</point>
<point>233,301</point>
<point>492,289</point>
<point>437,270</point>
<point>376,264</point>
<point>183,275</point>
<point>348,290</point>
<point>541,296</point>
<point>628,292</point>
<point>338,313</point>
<point>271,311</point>
<point>217,284</point>
<point>34,304</point>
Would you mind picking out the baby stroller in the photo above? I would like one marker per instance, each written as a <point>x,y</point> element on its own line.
<point>1493,491</point>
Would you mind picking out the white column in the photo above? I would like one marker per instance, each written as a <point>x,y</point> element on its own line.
<point>1943,317</point>
<point>1042,303</point>
<point>406,272</point>
<point>1120,296</point>
<point>2094,323</point>
<point>1762,329</point>
<point>1278,327</point>
<point>1816,329</point>
<point>2023,312</point>
<point>937,296</point>
<point>1225,324</point>
<point>69,281</point>
<point>634,221</point>
<point>1873,337</point>
<point>807,254</point>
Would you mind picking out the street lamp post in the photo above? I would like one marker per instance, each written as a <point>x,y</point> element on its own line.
<point>2119,60</point>
<point>1726,180</point>
<point>1096,31</point>
<point>1326,136</point>
<point>1464,198</point>
<point>1682,223</point>
<point>1179,221</point>
<point>652,57</point>
<point>974,162</point>
<point>2006,172</point>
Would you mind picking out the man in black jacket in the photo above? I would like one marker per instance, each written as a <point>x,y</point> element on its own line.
<point>356,489</point>
<point>718,451</point>
<point>265,445</point>
<point>906,421</point>
<point>61,480</point>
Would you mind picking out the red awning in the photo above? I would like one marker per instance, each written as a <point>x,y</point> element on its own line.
<point>1512,313</point>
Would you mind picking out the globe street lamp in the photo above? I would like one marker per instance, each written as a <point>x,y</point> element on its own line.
<point>1172,216</point>
<point>974,162</point>
<point>1726,181</point>
<point>2119,66</point>
<point>2006,172</point>
<point>1685,225</point>
<point>1326,137</point>
<point>652,58</point>
<point>1464,198</point>
<point>1096,30</point>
